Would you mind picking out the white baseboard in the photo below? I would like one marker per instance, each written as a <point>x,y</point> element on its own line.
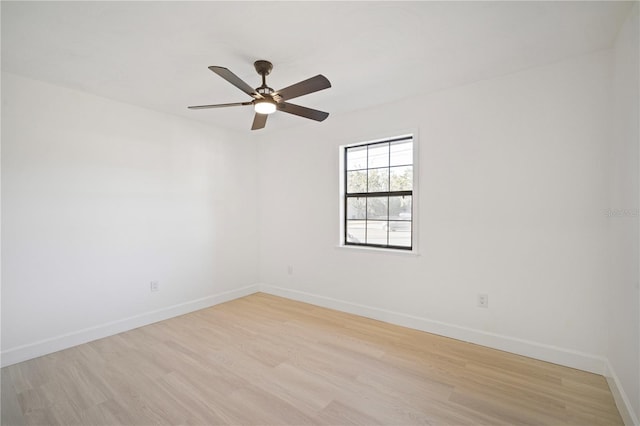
<point>64,341</point>
<point>541,351</point>
<point>620,396</point>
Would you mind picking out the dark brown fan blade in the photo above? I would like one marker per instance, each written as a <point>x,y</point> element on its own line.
<point>259,121</point>
<point>313,84</point>
<point>301,111</point>
<point>219,105</point>
<point>236,81</point>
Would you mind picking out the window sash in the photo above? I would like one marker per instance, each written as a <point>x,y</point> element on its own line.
<point>388,220</point>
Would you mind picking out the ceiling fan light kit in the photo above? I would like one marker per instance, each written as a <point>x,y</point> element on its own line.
<point>264,106</point>
<point>267,101</point>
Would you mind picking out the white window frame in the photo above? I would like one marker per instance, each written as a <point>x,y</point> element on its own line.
<point>415,217</point>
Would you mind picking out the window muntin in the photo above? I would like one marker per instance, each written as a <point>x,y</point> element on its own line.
<point>378,194</point>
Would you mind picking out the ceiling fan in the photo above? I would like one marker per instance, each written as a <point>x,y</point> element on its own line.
<point>266,100</point>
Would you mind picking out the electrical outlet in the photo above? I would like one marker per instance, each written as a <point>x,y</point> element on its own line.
<point>290,270</point>
<point>155,286</point>
<point>483,300</point>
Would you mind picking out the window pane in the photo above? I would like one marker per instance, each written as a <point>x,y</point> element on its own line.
<point>356,208</point>
<point>356,182</point>
<point>376,232</point>
<point>377,208</point>
<point>401,153</point>
<point>356,231</point>
<point>357,158</point>
<point>401,178</point>
<point>400,208</point>
<point>400,234</point>
<point>378,180</point>
<point>379,155</point>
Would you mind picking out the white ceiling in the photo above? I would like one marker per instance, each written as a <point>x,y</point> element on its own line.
<point>155,54</point>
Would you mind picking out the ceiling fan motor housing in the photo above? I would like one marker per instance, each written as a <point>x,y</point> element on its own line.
<point>264,90</point>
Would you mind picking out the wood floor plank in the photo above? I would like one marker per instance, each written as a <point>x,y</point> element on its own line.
<point>263,359</point>
<point>10,410</point>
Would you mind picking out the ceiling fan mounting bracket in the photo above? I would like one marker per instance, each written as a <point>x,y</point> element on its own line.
<point>263,67</point>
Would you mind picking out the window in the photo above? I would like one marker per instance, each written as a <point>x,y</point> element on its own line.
<point>378,194</point>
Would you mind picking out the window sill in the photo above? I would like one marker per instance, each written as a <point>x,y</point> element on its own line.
<point>377,250</point>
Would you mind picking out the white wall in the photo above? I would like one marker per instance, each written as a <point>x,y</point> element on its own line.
<point>98,199</point>
<point>513,188</point>
<point>624,311</point>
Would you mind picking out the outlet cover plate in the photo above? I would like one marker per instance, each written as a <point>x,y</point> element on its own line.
<point>483,300</point>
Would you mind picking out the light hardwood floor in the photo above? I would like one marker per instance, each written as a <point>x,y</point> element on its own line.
<point>267,360</point>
